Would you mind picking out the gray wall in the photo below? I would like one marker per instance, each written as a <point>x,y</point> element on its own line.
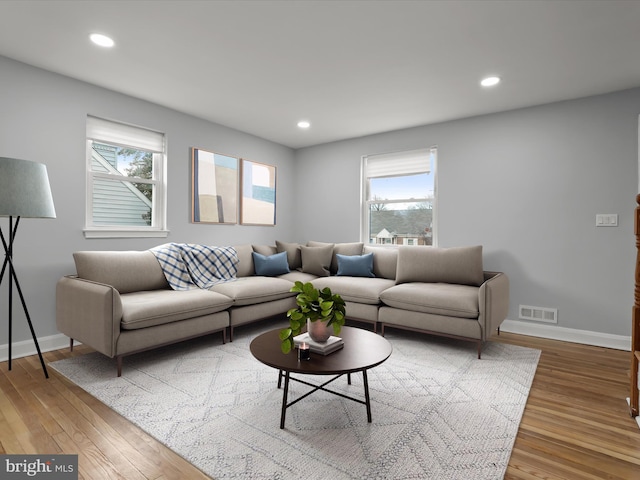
<point>42,118</point>
<point>526,184</point>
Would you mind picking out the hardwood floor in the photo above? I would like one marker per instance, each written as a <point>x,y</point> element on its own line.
<point>575,426</point>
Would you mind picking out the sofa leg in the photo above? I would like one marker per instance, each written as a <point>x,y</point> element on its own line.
<point>382,329</point>
<point>71,344</point>
<point>119,364</point>
<point>498,330</point>
<point>224,336</point>
<point>479,349</point>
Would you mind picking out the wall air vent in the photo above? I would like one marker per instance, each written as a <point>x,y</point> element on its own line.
<point>538,314</point>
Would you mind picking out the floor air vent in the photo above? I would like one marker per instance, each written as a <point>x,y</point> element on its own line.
<point>539,314</point>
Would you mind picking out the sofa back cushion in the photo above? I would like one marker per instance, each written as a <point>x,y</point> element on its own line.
<point>245,260</point>
<point>385,261</point>
<point>265,249</point>
<point>459,265</point>
<point>127,271</point>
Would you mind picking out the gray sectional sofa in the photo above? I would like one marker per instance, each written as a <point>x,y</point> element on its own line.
<point>120,302</point>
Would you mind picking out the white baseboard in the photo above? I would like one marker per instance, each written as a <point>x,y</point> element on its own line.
<point>586,337</point>
<point>27,347</point>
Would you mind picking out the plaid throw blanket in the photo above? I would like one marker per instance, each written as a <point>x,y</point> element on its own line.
<point>188,266</point>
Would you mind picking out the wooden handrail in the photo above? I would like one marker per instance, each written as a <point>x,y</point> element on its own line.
<point>635,318</point>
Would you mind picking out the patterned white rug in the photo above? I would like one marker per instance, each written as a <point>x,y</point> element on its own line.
<point>438,411</point>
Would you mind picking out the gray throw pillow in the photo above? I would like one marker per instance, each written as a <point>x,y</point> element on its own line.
<point>353,248</point>
<point>316,260</point>
<point>293,253</point>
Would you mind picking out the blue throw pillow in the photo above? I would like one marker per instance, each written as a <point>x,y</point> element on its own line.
<point>272,265</point>
<point>355,265</point>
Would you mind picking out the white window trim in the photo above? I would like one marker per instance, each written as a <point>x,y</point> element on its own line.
<point>114,232</point>
<point>434,218</point>
<point>157,229</point>
<point>364,195</point>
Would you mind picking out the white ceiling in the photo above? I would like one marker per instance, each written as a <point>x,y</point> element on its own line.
<point>351,68</point>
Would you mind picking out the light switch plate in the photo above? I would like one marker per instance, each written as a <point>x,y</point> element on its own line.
<point>606,220</point>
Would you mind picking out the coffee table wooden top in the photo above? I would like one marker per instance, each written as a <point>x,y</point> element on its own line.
<point>362,350</point>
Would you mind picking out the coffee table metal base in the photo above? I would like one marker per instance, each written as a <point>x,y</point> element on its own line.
<point>287,377</point>
<point>362,351</point>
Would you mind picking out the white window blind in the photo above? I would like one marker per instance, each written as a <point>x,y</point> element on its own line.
<point>396,164</point>
<point>124,135</point>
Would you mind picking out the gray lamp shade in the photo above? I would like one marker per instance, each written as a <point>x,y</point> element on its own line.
<point>24,189</point>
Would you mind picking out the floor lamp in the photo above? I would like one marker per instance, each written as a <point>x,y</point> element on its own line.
<point>24,192</point>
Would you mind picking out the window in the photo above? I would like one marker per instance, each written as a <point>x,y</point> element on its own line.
<point>399,198</point>
<point>125,181</point>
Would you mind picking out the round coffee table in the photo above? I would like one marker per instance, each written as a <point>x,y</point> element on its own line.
<point>362,350</point>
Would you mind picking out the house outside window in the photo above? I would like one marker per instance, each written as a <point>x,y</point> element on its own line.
<point>399,198</point>
<point>125,181</point>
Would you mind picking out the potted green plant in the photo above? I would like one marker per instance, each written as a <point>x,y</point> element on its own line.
<point>314,305</point>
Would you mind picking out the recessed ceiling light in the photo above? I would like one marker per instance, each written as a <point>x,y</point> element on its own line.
<point>490,81</point>
<point>101,40</point>
<point>304,124</point>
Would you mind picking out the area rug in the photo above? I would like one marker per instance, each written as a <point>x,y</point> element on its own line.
<point>438,412</point>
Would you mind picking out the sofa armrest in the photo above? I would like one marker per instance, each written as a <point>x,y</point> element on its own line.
<point>89,312</point>
<point>493,297</point>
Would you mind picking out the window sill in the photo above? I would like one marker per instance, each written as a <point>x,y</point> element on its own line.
<point>124,233</point>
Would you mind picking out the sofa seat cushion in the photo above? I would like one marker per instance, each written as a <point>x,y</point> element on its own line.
<point>158,307</point>
<point>297,276</point>
<point>256,289</point>
<point>355,289</point>
<point>436,298</point>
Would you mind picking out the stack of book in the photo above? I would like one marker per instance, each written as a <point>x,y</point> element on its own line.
<point>324,348</point>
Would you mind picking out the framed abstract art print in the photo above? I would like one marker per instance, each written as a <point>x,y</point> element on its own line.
<point>258,194</point>
<point>214,187</point>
